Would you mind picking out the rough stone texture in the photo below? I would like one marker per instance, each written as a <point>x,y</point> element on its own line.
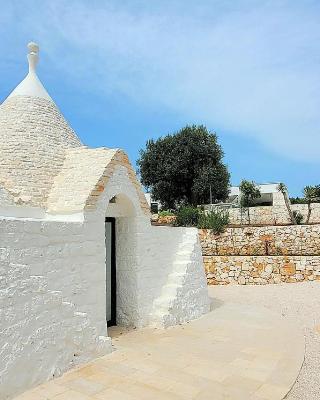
<point>157,219</point>
<point>44,164</point>
<point>260,215</point>
<point>277,214</point>
<point>261,255</point>
<point>303,209</point>
<point>263,215</point>
<point>33,139</point>
<point>272,215</point>
<point>260,270</point>
<point>51,309</point>
<point>6,199</point>
<point>266,240</point>
<point>86,173</point>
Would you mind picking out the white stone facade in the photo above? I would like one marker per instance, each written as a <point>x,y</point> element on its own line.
<point>53,284</point>
<point>33,139</point>
<point>52,315</point>
<point>54,196</point>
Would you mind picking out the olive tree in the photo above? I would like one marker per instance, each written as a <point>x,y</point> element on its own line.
<point>311,194</point>
<point>185,167</point>
<point>249,191</point>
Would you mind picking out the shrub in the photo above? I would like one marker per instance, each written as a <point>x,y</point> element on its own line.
<point>298,217</point>
<point>298,200</point>
<point>217,220</point>
<point>166,213</point>
<point>187,216</point>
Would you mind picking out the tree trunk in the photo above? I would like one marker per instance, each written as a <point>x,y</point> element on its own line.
<point>286,200</point>
<point>309,212</point>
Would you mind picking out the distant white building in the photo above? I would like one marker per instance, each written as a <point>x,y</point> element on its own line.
<point>154,205</point>
<point>268,192</point>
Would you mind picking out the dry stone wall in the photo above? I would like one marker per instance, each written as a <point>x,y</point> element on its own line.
<point>261,241</point>
<point>303,209</point>
<point>261,255</point>
<point>260,270</point>
<point>272,215</point>
<point>276,214</point>
<point>260,215</point>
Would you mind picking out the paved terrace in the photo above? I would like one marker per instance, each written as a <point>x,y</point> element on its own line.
<point>236,352</point>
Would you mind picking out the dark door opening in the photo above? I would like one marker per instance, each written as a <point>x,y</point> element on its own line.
<point>111,279</point>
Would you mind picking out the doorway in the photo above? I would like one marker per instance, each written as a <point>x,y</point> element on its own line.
<point>111,279</point>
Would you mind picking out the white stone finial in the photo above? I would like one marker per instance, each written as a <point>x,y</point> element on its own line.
<point>31,85</point>
<point>33,56</point>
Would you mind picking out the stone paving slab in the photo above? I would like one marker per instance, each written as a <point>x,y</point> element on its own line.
<point>235,352</point>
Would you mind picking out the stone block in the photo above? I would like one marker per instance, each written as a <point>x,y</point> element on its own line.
<point>242,280</point>
<point>288,269</point>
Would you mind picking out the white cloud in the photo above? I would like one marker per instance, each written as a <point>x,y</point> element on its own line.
<point>251,69</point>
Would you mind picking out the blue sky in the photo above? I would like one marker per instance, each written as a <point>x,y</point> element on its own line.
<point>125,71</point>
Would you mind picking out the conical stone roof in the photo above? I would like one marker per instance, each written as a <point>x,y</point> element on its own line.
<point>34,137</point>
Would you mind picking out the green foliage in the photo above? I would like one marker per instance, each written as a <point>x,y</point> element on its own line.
<point>282,188</point>
<point>298,216</point>
<point>187,216</point>
<point>180,168</point>
<point>312,193</point>
<point>217,220</point>
<point>166,213</point>
<point>249,191</point>
<point>298,200</point>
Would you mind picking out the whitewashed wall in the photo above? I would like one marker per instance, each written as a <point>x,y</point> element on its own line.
<point>182,293</point>
<point>146,256</point>
<point>166,276</point>
<point>52,300</point>
<point>52,284</point>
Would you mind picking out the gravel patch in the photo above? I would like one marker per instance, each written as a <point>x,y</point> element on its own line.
<point>300,301</point>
